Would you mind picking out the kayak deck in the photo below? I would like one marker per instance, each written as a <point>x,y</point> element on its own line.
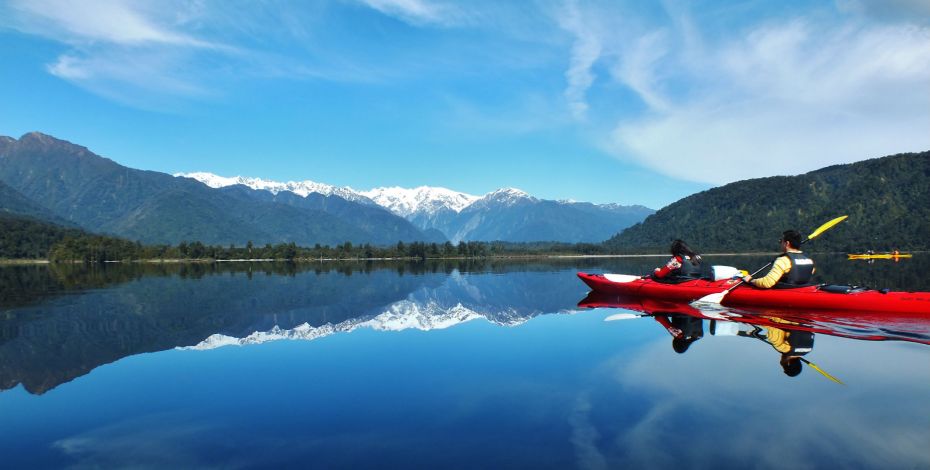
<point>811,297</point>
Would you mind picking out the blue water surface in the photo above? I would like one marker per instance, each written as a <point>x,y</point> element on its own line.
<point>464,366</point>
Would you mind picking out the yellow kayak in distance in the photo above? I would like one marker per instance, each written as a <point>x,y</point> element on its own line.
<point>879,256</point>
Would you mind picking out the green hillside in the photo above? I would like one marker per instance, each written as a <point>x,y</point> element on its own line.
<point>28,238</point>
<point>887,200</point>
<point>101,196</point>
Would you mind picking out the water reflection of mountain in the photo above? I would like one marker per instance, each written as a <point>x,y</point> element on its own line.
<point>504,300</point>
<point>54,329</point>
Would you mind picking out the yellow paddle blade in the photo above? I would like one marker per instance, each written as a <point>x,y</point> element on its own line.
<point>826,226</point>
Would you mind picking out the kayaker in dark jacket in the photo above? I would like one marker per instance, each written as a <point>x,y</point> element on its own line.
<point>790,269</point>
<point>684,263</point>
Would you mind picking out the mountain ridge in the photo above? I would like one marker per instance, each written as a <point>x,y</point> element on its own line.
<point>100,195</point>
<point>459,216</point>
<point>887,200</point>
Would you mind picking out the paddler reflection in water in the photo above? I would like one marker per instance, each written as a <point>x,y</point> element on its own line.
<point>790,269</point>
<point>684,329</point>
<point>684,264</point>
<point>792,344</point>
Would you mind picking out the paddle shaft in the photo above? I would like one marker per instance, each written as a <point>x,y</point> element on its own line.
<point>822,371</point>
<point>741,281</point>
<point>818,369</point>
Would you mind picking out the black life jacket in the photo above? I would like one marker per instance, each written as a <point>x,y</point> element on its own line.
<point>688,270</point>
<point>801,342</point>
<point>802,270</point>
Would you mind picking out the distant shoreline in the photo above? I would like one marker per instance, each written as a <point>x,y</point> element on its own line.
<point>26,262</point>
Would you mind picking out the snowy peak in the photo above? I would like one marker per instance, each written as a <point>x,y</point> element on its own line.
<point>424,199</point>
<point>508,194</point>
<point>504,197</point>
<point>300,188</point>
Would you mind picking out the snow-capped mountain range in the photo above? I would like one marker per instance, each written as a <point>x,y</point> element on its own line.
<point>73,184</point>
<point>300,188</point>
<point>405,202</point>
<point>507,214</point>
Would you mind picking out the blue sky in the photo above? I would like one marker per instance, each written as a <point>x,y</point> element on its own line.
<point>606,101</point>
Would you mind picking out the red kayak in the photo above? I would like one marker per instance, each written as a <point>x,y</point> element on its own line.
<point>813,297</point>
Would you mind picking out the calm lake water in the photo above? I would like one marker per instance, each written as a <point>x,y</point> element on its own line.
<point>438,365</point>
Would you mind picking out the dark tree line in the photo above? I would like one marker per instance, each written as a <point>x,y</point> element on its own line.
<point>96,249</point>
<point>26,238</point>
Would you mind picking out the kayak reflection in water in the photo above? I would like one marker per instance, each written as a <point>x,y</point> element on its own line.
<point>683,328</point>
<point>790,269</point>
<point>683,265</point>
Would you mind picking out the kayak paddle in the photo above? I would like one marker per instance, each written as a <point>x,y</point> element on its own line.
<point>818,369</point>
<point>821,371</point>
<point>717,297</point>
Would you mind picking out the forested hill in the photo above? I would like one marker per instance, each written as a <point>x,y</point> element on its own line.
<point>14,204</point>
<point>887,200</point>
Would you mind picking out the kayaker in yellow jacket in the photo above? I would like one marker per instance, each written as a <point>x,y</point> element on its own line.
<point>790,269</point>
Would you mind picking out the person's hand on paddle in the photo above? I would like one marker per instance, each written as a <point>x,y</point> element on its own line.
<point>747,278</point>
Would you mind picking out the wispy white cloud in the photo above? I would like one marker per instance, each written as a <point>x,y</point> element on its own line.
<point>586,50</point>
<point>781,97</point>
<point>132,52</point>
<point>109,21</point>
<point>415,11</point>
<point>145,53</point>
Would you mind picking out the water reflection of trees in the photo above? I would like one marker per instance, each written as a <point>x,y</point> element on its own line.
<point>23,284</point>
<point>61,321</point>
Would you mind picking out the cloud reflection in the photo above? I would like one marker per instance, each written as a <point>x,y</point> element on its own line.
<point>165,440</point>
<point>723,402</point>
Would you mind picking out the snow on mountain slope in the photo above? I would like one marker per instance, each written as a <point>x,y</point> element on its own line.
<point>400,316</point>
<point>300,188</point>
<point>458,216</point>
<point>424,199</point>
<point>502,197</point>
